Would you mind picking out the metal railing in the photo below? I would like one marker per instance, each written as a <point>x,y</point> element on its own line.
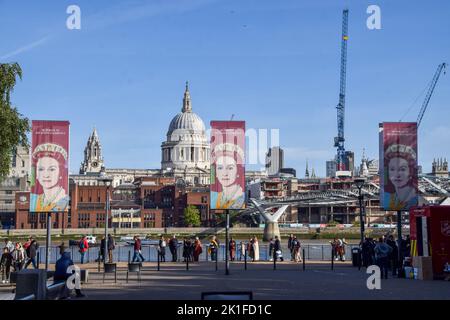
<point>317,252</point>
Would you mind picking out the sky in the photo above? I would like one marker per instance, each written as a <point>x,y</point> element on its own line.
<point>274,64</point>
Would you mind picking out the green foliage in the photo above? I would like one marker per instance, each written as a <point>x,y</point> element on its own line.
<point>192,216</point>
<point>332,223</point>
<point>13,126</point>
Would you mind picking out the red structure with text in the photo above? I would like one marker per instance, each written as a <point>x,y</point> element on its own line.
<point>430,234</point>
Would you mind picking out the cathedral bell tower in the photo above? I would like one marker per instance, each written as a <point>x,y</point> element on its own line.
<point>93,160</point>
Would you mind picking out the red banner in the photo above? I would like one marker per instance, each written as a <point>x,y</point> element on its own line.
<point>49,166</point>
<point>398,166</point>
<point>227,165</point>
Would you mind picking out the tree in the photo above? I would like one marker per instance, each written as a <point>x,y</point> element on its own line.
<point>192,216</point>
<point>13,125</point>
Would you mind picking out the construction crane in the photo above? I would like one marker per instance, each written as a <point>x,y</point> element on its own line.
<point>339,140</point>
<point>430,92</point>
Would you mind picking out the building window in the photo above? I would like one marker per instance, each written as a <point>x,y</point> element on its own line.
<point>204,199</point>
<point>23,164</point>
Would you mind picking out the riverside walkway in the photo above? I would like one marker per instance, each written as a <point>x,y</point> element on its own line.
<point>287,282</point>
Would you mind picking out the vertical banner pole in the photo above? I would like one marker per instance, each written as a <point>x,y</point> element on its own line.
<point>227,227</point>
<point>49,240</point>
<point>399,241</point>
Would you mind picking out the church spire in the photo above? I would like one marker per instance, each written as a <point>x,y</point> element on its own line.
<point>306,171</point>
<point>187,107</point>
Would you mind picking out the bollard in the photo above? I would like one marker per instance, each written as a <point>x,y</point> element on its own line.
<point>274,260</point>
<point>304,259</point>
<point>187,264</point>
<point>359,259</point>
<point>98,267</point>
<point>332,259</point>
<point>217,259</point>
<point>38,259</point>
<point>88,255</point>
<point>304,253</point>
<point>129,256</point>
<point>206,251</point>
<point>245,260</point>
<point>72,254</point>
<point>158,258</point>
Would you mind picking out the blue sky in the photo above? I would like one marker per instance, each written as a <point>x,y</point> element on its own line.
<point>274,64</point>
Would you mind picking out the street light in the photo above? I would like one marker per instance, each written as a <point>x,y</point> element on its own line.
<point>107,182</point>
<point>359,182</point>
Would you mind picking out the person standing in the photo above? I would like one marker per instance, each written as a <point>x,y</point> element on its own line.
<point>83,248</point>
<point>232,249</point>
<point>18,256</point>
<point>111,247</point>
<point>290,247</point>
<point>197,249</point>
<point>137,256</point>
<point>102,249</point>
<point>255,249</point>
<point>393,256</point>
<point>5,264</point>
<point>277,248</point>
<point>186,249</point>
<point>382,252</point>
<point>242,246</point>
<point>31,253</point>
<point>250,251</point>
<point>271,245</point>
<point>297,250</point>
<point>173,246</point>
<point>162,249</point>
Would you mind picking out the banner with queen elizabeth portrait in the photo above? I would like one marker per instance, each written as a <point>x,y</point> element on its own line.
<point>227,165</point>
<point>398,166</point>
<point>49,166</point>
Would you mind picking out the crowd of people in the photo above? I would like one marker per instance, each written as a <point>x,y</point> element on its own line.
<point>385,253</point>
<point>18,256</point>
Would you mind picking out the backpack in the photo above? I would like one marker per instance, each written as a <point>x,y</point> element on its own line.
<point>81,245</point>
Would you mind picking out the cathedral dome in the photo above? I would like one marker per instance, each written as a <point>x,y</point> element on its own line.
<point>186,121</point>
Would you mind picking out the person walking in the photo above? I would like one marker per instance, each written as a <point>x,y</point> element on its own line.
<point>277,247</point>
<point>137,256</point>
<point>61,274</point>
<point>213,248</point>
<point>382,252</point>
<point>5,265</point>
<point>83,248</point>
<point>31,253</point>
<point>232,249</point>
<point>271,245</point>
<point>111,247</point>
<point>197,249</point>
<point>18,256</point>
<point>173,246</point>
<point>162,249</point>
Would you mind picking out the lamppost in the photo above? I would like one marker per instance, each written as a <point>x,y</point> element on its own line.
<point>107,182</point>
<point>359,182</point>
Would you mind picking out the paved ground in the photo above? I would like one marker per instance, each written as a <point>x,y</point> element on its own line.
<point>173,281</point>
<point>288,282</point>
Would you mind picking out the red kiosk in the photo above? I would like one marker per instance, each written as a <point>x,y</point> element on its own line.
<point>430,235</point>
